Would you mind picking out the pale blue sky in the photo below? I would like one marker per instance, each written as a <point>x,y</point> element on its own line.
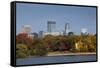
<point>37,16</point>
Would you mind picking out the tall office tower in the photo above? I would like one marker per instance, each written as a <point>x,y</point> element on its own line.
<point>67,28</point>
<point>51,25</point>
<point>26,29</point>
<point>41,34</point>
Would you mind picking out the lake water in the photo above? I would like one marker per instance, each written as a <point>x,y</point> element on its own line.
<point>55,59</point>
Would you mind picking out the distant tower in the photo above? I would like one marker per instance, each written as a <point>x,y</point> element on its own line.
<point>67,28</point>
<point>41,34</point>
<point>51,25</point>
<point>34,35</point>
<point>84,31</point>
<point>26,29</point>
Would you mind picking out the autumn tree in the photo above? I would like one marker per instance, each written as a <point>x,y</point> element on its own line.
<point>23,38</point>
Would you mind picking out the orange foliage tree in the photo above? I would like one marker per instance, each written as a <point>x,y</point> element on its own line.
<point>23,38</point>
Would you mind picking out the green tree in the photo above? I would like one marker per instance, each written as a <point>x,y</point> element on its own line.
<point>39,50</point>
<point>21,51</point>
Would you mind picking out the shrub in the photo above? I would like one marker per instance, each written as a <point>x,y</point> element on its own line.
<point>39,50</point>
<point>21,51</point>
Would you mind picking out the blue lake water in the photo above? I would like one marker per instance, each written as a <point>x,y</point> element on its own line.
<point>55,59</point>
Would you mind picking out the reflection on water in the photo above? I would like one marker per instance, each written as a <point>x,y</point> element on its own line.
<point>55,59</point>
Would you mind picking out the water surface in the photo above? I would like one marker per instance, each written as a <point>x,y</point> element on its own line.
<point>55,59</point>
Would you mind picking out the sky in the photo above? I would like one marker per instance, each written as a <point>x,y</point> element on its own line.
<point>37,16</point>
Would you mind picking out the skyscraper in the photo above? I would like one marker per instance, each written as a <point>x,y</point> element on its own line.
<point>41,34</point>
<point>51,25</point>
<point>26,29</point>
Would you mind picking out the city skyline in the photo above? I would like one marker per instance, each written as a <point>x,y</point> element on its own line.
<point>38,15</point>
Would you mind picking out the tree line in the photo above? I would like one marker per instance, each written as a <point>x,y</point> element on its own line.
<point>27,46</point>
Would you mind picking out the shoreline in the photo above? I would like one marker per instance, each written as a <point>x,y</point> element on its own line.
<point>66,53</point>
<point>54,54</point>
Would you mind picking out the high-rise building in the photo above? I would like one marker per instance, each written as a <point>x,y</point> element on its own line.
<point>26,29</point>
<point>41,34</point>
<point>51,25</point>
